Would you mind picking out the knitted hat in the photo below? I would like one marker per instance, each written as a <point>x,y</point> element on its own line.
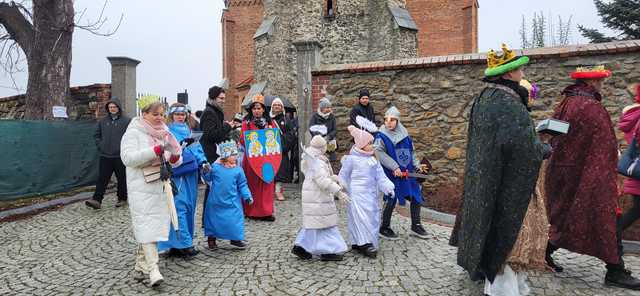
<point>318,142</point>
<point>361,137</point>
<point>277,101</point>
<point>363,93</point>
<point>393,112</point>
<point>324,103</point>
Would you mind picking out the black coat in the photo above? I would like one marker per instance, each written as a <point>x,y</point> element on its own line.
<point>364,111</point>
<point>504,156</point>
<point>288,140</point>
<point>329,122</point>
<point>109,132</point>
<point>214,129</point>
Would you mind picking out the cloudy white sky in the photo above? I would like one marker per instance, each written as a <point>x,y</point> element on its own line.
<point>179,44</point>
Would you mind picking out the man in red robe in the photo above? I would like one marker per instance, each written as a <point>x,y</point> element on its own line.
<point>580,181</point>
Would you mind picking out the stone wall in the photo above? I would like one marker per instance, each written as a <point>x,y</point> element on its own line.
<point>361,30</point>
<point>85,103</point>
<point>434,95</point>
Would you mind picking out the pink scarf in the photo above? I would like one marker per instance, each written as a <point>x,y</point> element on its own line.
<point>160,135</point>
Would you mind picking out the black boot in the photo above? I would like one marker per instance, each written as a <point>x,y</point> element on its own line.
<point>547,257</point>
<point>418,231</point>
<point>331,257</point>
<point>369,250</point>
<point>189,252</point>
<point>301,253</point>
<point>617,276</point>
<point>388,233</point>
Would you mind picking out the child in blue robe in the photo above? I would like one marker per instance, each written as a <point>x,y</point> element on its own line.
<point>224,216</point>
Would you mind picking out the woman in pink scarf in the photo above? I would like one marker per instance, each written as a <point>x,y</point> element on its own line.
<point>146,139</point>
<point>630,125</point>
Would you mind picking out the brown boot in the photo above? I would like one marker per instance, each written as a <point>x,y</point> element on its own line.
<point>211,242</point>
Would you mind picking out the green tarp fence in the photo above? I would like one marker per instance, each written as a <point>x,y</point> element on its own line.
<point>44,157</point>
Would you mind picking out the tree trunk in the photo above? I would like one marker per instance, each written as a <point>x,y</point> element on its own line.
<point>49,60</point>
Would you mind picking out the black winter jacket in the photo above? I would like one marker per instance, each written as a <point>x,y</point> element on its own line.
<point>109,132</point>
<point>214,129</point>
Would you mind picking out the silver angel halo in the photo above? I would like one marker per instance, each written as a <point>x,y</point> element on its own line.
<point>227,148</point>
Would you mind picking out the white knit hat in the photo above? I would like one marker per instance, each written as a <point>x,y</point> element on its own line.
<point>318,142</point>
<point>277,101</point>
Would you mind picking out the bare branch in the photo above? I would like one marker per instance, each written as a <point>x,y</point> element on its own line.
<point>17,25</point>
<point>96,26</point>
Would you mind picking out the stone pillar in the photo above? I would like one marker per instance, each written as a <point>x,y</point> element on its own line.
<point>123,83</point>
<point>308,57</point>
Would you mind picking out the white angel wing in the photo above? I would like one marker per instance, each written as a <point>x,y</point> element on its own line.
<point>318,128</point>
<point>366,124</point>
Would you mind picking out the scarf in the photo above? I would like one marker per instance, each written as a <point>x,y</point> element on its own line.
<point>323,115</point>
<point>160,135</point>
<point>273,116</point>
<point>396,135</point>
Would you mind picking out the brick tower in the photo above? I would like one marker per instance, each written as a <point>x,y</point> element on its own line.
<point>259,35</point>
<point>445,26</point>
<point>240,20</point>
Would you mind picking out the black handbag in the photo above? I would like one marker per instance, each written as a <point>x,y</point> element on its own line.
<point>629,163</point>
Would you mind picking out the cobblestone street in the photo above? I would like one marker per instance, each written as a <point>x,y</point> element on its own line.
<point>79,251</point>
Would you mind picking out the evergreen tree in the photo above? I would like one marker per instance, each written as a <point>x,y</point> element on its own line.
<point>622,16</point>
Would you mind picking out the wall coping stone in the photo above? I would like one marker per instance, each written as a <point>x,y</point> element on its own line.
<point>479,58</point>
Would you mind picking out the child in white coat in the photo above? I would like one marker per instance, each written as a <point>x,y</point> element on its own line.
<point>319,234</point>
<point>364,179</point>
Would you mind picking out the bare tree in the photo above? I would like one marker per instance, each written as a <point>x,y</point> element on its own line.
<point>43,31</point>
<point>544,32</point>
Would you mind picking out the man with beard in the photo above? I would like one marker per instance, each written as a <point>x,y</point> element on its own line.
<point>362,108</point>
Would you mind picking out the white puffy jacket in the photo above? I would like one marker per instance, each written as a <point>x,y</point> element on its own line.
<point>147,201</point>
<point>319,186</point>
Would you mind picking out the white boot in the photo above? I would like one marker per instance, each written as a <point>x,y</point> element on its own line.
<point>141,270</point>
<point>151,259</point>
<point>155,278</point>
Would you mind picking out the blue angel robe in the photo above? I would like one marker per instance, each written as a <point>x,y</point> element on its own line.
<point>185,200</point>
<point>224,216</point>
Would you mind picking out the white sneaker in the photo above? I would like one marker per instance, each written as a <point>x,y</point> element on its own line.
<point>155,278</point>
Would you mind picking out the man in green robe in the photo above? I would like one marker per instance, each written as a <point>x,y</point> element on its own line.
<point>503,158</point>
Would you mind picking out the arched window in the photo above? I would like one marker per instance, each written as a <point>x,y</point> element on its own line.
<point>330,8</point>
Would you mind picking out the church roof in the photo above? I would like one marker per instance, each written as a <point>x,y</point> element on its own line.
<point>403,18</point>
<point>266,28</point>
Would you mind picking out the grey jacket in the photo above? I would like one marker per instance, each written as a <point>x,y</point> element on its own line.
<point>109,132</point>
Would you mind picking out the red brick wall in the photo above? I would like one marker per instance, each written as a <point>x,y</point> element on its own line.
<point>318,89</point>
<point>445,26</point>
<point>240,21</point>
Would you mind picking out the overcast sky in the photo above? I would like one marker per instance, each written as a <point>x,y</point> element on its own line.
<point>179,44</point>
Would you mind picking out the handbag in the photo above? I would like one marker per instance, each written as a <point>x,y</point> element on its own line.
<point>188,166</point>
<point>629,163</point>
<point>151,173</point>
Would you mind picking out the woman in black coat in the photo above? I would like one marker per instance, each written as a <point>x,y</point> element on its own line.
<point>324,116</point>
<point>285,173</point>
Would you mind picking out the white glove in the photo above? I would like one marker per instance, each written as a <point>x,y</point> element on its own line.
<point>343,197</point>
<point>206,167</point>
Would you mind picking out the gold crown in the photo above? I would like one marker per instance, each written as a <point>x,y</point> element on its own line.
<point>147,100</point>
<point>494,60</point>
<point>600,68</point>
<point>258,99</point>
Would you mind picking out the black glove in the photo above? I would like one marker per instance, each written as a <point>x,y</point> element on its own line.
<point>188,141</point>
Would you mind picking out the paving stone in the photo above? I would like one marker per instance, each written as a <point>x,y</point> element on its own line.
<point>79,251</point>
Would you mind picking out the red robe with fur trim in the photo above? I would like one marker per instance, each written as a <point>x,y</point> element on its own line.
<point>580,180</point>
